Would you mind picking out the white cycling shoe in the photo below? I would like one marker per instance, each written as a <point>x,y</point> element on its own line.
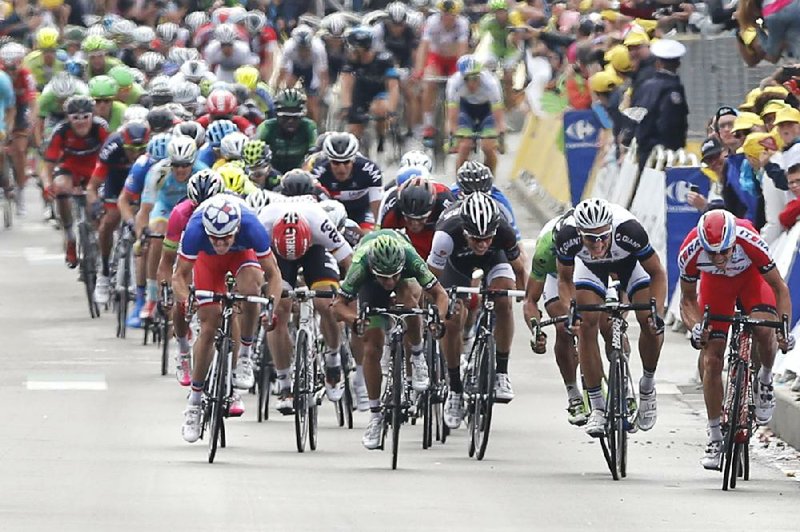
<point>372,435</point>
<point>191,423</point>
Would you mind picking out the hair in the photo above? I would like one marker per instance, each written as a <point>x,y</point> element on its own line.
<point>748,12</point>
<point>794,169</point>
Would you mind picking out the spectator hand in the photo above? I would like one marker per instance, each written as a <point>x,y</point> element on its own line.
<point>697,200</point>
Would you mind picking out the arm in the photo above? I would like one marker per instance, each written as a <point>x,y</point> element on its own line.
<point>345,263</point>
<point>125,207</point>
<point>143,218</point>
<point>781,291</point>
<point>658,279</point>
<point>181,280</point>
<point>393,85</point>
<point>345,309</point>
<point>566,286</point>
<point>518,265</point>
<point>439,297</point>
<point>533,292</point>
<point>165,265</point>
<point>346,94</point>
<point>272,275</point>
<point>422,54</point>
<point>691,313</point>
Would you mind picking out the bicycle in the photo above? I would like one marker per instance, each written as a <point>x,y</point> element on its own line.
<point>152,326</point>
<point>621,410</point>
<point>218,391</point>
<point>88,251</point>
<point>345,406</point>
<point>395,401</point>
<point>479,377</point>
<point>430,403</point>
<point>309,379</point>
<point>7,192</point>
<point>436,145</point>
<point>122,277</point>
<point>738,408</point>
<point>164,325</point>
<point>264,370</point>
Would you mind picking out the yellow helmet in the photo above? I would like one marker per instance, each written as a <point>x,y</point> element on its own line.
<point>247,76</point>
<point>233,177</point>
<point>449,6</point>
<point>620,58</point>
<point>603,82</point>
<point>47,38</point>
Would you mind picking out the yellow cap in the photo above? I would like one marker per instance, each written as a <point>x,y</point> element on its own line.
<point>603,82</point>
<point>752,96</point>
<point>757,143</point>
<point>636,37</point>
<point>746,121</point>
<point>785,116</point>
<point>777,90</point>
<point>620,58</point>
<point>647,25</point>
<point>610,15</point>
<point>50,4</point>
<point>773,106</point>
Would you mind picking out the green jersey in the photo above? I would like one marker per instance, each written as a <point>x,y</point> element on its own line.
<point>499,33</point>
<point>134,95</point>
<point>111,62</point>
<point>50,105</point>
<point>288,153</point>
<point>544,256</point>
<point>42,73</point>
<point>117,115</point>
<point>360,272</point>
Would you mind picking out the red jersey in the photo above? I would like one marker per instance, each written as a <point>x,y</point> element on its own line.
<point>24,85</point>
<point>76,154</point>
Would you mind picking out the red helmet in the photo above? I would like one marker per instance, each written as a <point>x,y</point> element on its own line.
<point>291,236</point>
<point>717,230</point>
<point>221,102</point>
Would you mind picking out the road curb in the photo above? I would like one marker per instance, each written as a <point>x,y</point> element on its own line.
<point>786,418</point>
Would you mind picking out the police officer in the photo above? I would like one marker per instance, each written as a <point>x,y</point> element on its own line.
<point>663,97</point>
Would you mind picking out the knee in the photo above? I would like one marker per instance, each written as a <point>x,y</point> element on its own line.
<point>712,364</point>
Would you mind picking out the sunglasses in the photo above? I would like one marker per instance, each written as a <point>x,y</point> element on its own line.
<point>387,277</point>
<point>103,100</point>
<point>420,218</point>
<point>721,252</point>
<point>341,163</point>
<point>181,165</point>
<point>135,147</point>
<point>225,238</point>
<point>475,238</point>
<point>80,117</point>
<point>595,238</point>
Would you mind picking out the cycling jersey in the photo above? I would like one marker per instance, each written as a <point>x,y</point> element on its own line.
<point>364,186</point>
<point>112,167</point>
<point>224,66</point>
<point>137,176</point>
<point>50,105</point>
<point>74,154</point>
<point>544,262</point>
<point>207,155</point>
<point>42,73</point>
<point>288,153</point>
<point>488,91</point>
<point>251,235</point>
<point>442,41</point>
<point>502,202</point>
<point>370,83</point>
<point>360,272</point>
<point>323,233</point>
<point>110,63</point>
<point>264,43</point>
<point>24,86</point>
<point>178,219</point>
<point>390,217</point>
<point>400,46</point>
<point>500,48</point>
<point>310,66</point>
<point>163,190</point>
<point>117,115</point>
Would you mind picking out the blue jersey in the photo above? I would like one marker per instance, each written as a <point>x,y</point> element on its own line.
<point>162,187</point>
<point>206,155</point>
<point>137,175</point>
<point>252,235</point>
<point>7,98</point>
<point>502,202</point>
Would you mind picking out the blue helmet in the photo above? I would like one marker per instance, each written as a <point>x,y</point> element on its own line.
<point>404,174</point>
<point>222,215</point>
<point>468,65</point>
<point>157,147</point>
<point>217,131</point>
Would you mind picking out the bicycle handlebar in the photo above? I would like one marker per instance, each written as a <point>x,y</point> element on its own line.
<point>610,307</point>
<point>304,294</point>
<point>229,297</point>
<point>781,327</point>
<point>397,312</point>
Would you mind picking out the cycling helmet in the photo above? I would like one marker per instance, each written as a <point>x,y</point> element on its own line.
<point>256,153</point>
<point>122,30</point>
<point>180,55</point>
<point>143,36</point>
<point>221,102</point>
<point>236,14</point>
<point>192,130</point>
<point>336,212</point>
<point>290,102</point>
<point>411,172</point>
<point>453,7</point>
<point>150,62</point>
<point>416,158</point>
<point>135,113</point>
<point>257,199</point>
<point>240,92</point>
<point>12,54</point>
<point>386,256</point>
<point>47,38</point>
<point>194,70</point>
<point>168,32</point>
<point>103,87</point>
<point>303,36</point>
<point>161,119</point>
<point>255,21</point>
<point>74,34</point>
<point>63,85</point>
<point>716,230</point>
<point>416,198</point>
<point>222,216</point>
<point>186,93</point>
<point>135,134</point>
<point>397,12</point>
<point>415,19</point>
<point>474,177</point>
<point>247,76</point>
<point>361,37</point>
<point>497,5</point>
<point>297,183</point>
<point>217,131</point>
<point>202,185</point>
<point>195,19</point>
<point>182,150</point>
<point>233,177</point>
<point>320,142</point>
<point>291,235</point>
<point>232,145</point>
<point>123,75</point>
<point>225,34</point>
<point>480,215</point>
<point>95,44</point>
<point>157,147</point>
<point>96,30</point>
<point>79,104</point>
<point>341,147</point>
<point>468,65</point>
<point>593,213</point>
<point>334,25</point>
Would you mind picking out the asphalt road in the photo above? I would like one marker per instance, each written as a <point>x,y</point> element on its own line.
<point>90,440</point>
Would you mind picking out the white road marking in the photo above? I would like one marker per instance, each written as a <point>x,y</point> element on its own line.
<point>87,382</point>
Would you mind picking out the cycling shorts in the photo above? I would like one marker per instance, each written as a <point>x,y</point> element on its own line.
<point>476,119</point>
<point>79,177</point>
<point>550,292</point>
<point>372,294</point>
<point>363,96</point>
<point>210,270</point>
<point>319,266</point>
<point>445,66</point>
<point>721,294</point>
<point>306,74</point>
<point>160,212</point>
<point>495,264</point>
<point>632,277</point>
<point>22,121</point>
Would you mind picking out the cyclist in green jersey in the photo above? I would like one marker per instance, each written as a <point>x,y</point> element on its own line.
<point>291,134</point>
<point>50,103</point>
<point>386,262</point>
<point>97,51</point>
<point>503,47</point>
<point>543,283</point>
<point>104,89</point>
<point>129,92</point>
<point>42,62</point>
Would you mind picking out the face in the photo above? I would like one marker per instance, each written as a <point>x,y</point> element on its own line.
<point>720,259</point>
<point>49,57</point>
<point>259,175</point>
<point>769,120</point>
<point>133,153</point>
<point>479,246</point>
<point>415,225</point>
<point>290,124</point>
<point>388,283</point>
<point>724,125</point>
<point>596,241</point>
<point>788,131</point>
<point>715,162</point>
<point>473,83</point>
<point>182,172</point>
<point>448,20</point>
<point>103,107</point>
<point>794,183</point>
<point>226,49</point>
<point>222,245</point>
<point>396,29</point>
<point>342,169</point>
<point>97,61</point>
<point>81,123</point>
<point>501,16</point>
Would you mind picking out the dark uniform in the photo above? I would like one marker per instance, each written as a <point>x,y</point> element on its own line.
<point>666,121</point>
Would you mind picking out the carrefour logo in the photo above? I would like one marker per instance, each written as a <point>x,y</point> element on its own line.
<point>581,130</point>
<point>677,196</point>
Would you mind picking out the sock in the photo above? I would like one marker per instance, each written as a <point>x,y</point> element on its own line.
<point>196,395</point>
<point>375,407</point>
<point>416,350</point>
<point>151,290</point>
<point>139,294</point>
<point>714,430</point>
<point>455,380</point>
<point>106,269</point>
<point>333,359</point>
<point>183,344</point>
<point>245,347</point>
<point>360,375</point>
<point>502,362</point>
<point>765,375</point>
<point>596,399</point>
<point>427,119</point>
<point>648,382</point>
<point>283,378</point>
<point>69,232</point>
<point>573,392</point>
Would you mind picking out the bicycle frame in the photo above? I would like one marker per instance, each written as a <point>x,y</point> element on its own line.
<point>87,250</point>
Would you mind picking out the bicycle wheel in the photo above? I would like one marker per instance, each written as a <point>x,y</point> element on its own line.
<point>88,266</point>
<point>264,382</point>
<point>301,389</point>
<point>728,479</point>
<point>313,407</point>
<point>621,415</point>
<point>613,418</point>
<point>470,380</point>
<point>164,335</point>
<point>398,363</point>
<point>217,398</point>
<point>426,398</point>
<point>485,402</point>
<point>123,293</point>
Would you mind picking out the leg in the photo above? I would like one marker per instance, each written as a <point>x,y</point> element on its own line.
<point>489,148</point>
<point>373,348</point>
<point>248,282</point>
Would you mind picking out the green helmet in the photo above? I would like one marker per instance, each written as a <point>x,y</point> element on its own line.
<point>96,43</point>
<point>497,5</point>
<point>386,256</point>
<point>205,87</point>
<point>103,87</point>
<point>290,99</point>
<point>122,75</point>
<point>256,153</point>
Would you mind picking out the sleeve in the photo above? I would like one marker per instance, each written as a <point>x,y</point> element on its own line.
<point>755,247</point>
<point>256,236</point>
<point>543,260</point>
<point>356,276</point>
<point>463,30</point>
<point>568,244</point>
<point>288,54</point>
<point>422,274</point>
<point>507,238</point>
<point>632,237</point>
<point>175,227</point>
<point>778,176</point>
<point>149,191</point>
<point>103,160</point>
<point>687,258</point>
<point>452,90</point>
<point>190,241</point>
<point>326,235</point>
<point>441,249</point>
<point>29,89</point>
<point>495,93</point>
<point>788,217</point>
<point>387,205</point>
<point>427,30</point>
<point>55,145</point>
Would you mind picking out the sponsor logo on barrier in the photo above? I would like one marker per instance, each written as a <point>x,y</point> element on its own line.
<point>677,197</point>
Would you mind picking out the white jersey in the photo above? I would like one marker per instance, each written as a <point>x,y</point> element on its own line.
<point>316,60</point>
<point>323,233</point>
<point>224,66</point>
<point>442,41</point>
<point>488,90</point>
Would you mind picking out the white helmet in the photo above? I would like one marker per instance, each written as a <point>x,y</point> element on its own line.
<point>232,145</point>
<point>340,147</point>
<point>336,212</point>
<point>258,199</point>
<point>194,70</point>
<point>225,34</point>
<point>195,19</point>
<point>192,130</point>
<point>593,213</point>
<point>144,35</point>
<point>186,92</point>
<point>135,113</point>
<point>222,215</point>
<point>416,158</point>
<point>480,215</point>
<point>182,150</point>
<point>63,85</point>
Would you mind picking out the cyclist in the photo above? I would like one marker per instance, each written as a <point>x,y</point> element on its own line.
<point>227,52</point>
<point>70,160</point>
<point>201,186</point>
<point>475,108</point>
<point>104,89</point>
<point>119,152</point>
<point>543,284</point>
<point>301,183</point>
<point>50,104</point>
<point>96,50</point>
<point>221,105</point>
<point>473,176</point>
<point>332,32</point>
<point>503,49</point>
<point>215,132</point>
<point>304,59</point>
<point>257,158</point>
<point>470,235</point>
<point>303,237</point>
<point>223,235</point>
<point>164,187</point>
<point>734,266</point>
<point>386,262</point>
<point>369,84</point>
<point>43,63</point>
<point>263,41</point>
<point>231,149</point>
<point>7,102</point>
<point>235,179</point>
<point>290,135</point>
<point>258,91</point>
<point>351,178</point>
<point>599,240</point>
<point>128,91</point>
<point>444,39</point>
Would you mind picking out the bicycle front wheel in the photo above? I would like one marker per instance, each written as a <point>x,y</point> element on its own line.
<point>264,383</point>
<point>164,338</point>
<point>398,362</point>
<point>484,403</point>
<point>732,416</point>
<point>218,387</point>
<point>88,266</point>
<point>302,387</point>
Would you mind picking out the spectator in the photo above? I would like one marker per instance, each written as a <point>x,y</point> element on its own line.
<point>790,213</point>
<point>769,111</point>
<point>713,154</point>
<point>644,63</point>
<point>722,125</point>
<point>787,121</point>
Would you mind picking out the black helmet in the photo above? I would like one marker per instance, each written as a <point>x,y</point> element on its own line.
<point>360,37</point>
<point>297,183</point>
<point>416,197</point>
<point>474,177</point>
<point>241,92</point>
<point>161,119</point>
<point>480,215</point>
<point>79,104</point>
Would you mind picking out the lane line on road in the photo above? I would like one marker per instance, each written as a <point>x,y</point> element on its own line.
<point>85,382</point>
